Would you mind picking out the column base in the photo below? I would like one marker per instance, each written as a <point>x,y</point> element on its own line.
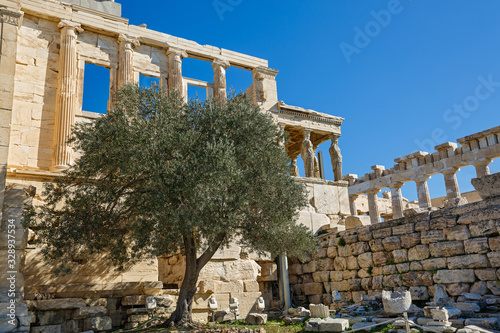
<point>58,168</point>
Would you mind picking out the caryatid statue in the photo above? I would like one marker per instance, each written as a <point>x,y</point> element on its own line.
<point>308,154</point>
<point>294,169</point>
<point>317,174</point>
<point>336,158</point>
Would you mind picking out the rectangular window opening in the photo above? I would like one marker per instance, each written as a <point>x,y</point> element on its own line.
<point>196,92</point>
<point>95,88</point>
<point>148,81</point>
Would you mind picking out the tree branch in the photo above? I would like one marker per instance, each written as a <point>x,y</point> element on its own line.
<point>210,251</point>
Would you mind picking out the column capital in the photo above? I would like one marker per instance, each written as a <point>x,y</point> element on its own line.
<point>128,42</point>
<point>354,196</point>
<point>373,191</point>
<point>422,178</point>
<point>485,161</point>
<point>396,185</point>
<point>176,51</point>
<point>10,16</point>
<point>221,62</point>
<point>67,24</point>
<point>450,171</point>
<point>262,72</point>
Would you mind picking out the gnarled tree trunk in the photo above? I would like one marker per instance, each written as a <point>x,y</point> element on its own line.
<point>181,317</point>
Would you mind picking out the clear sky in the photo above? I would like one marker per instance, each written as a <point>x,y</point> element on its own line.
<point>397,71</point>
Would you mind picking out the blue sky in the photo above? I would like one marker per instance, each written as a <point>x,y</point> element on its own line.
<point>396,87</point>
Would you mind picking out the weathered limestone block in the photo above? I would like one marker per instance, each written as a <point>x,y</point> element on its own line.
<point>389,269</point>
<point>138,318</point>
<point>310,267</point>
<point>250,286</point>
<point>269,272</point>
<point>494,287</point>
<point>380,258</point>
<point>97,324</point>
<point>479,288</point>
<point>346,275</point>
<point>340,286</point>
<point>382,233</point>
<point>416,266</point>
<point>494,243</point>
<point>334,325</point>
<point>376,245</point>
<point>363,273</point>
<point>321,276</point>
<point>359,248</point>
<point>331,252</point>
<point>457,289</point>
<point>494,258</point>
<point>365,260</point>
<point>447,249</point>
<point>134,300</point>
<point>403,268</point>
<point>89,311</point>
<point>350,239</point>
<point>396,303</point>
<point>344,251</point>
<point>313,288</point>
<point>355,221</point>
<point>487,186</point>
<point>468,261</point>
<point>442,222</point>
<point>476,245</point>
<point>60,304</point>
<point>257,319</point>
<point>419,293</point>
<point>365,236</point>
<point>354,284</point>
<point>325,264</point>
<point>486,214</point>
<point>352,263</point>
<point>295,269</point>
<point>339,263</point>
<point>319,310</point>
<point>404,229</point>
<point>485,228</point>
<point>467,306</point>
<point>419,278</point>
<point>336,276</point>
<point>418,252</point>
<point>391,243</point>
<point>392,281</point>
<point>433,264</point>
<point>410,240</point>
<point>454,276</point>
<point>400,256</point>
<point>486,274</point>
<point>432,236</point>
<point>459,232</point>
<point>422,226</point>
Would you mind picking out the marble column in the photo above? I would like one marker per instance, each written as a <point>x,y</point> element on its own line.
<point>307,153</point>
<point>373,209</point>
<point>66,96</point>
<point>175,56</point>
<point>397,200</point>
<point>424,198</point>
<point>352,204</point>
<point>482,167</point>
<point>453,197</point>
<point>220,66</point>
<point>126,59</point>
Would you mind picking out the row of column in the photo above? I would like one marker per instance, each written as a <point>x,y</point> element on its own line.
<point>311,164</point>
<point>453,196</point>
<point>66,103</point>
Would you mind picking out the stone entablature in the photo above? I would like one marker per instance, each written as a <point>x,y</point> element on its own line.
<point>478,150</point>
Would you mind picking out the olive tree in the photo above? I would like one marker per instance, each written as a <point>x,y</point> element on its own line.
<point>157,176</point>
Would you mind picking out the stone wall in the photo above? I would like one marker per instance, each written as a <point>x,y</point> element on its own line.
<point>458,248</point>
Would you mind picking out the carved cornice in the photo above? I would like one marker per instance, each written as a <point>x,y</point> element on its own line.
<point>262,72</point>
<point>10,16</point>
<point>315,118</point>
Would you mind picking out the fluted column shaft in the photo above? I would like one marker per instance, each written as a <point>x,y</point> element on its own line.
<point>373,209</point>
<point>175,56</point>
<point>66,96</point>
<point>220,66</point>
<point>126,59</point>
<point>397,200</point>
<point>424,198</point>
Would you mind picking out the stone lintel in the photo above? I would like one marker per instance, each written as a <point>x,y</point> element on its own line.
<point>262,72</point>
<point>378,167</point>
<point>446,145</point>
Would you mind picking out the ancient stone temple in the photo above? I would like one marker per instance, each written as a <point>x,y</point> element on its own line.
<point>45,48</point>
